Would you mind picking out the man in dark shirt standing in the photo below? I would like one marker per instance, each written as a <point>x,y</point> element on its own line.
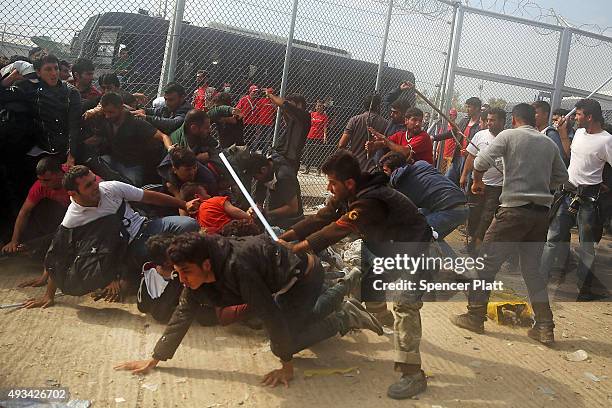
<point>356,134</point>
<point>277,189</point>
<point>363,203</point>
<point>290,142</point>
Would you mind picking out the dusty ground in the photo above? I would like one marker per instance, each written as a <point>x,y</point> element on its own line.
<point>76,343</point>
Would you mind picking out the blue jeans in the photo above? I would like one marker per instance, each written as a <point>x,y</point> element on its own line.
<point>558,238</point>
<point>444,222</point>
<point>455,169</point>
<point>174,225</point>
<point>134,173</point>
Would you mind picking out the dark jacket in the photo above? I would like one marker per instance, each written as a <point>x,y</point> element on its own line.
<point>56,113</point>
<point>427,187</point>
<point>290,142</point>
<point>166,121</point>
<point>407,97</point>
<point>247,270</point>
<point>378,213</point>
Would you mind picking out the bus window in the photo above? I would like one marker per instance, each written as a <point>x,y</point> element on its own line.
<point>106,46</point>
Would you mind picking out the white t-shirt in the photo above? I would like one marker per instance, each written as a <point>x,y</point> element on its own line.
<point>491,177</point>
<point>590,152</point>
<point>112,194</point>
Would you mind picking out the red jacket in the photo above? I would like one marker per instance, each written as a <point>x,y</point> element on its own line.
<point>248,107</point>
<point>265,112</point>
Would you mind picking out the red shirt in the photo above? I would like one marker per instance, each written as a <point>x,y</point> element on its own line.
<point>421,144</point>
<point>318,122</point>
<point>202,97</point>
<point>212,216</point>
<point>248,109</point>
<point>265,111</point>
<point>449,146</point>
<point>38,192</point>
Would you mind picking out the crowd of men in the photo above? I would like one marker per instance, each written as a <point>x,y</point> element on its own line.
<point>120,197</point>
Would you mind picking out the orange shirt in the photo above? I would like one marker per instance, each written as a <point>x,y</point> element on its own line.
<point>212,216</point>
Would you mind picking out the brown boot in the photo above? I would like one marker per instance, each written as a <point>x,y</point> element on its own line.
<point>544,335</point>
<point>469,322</point>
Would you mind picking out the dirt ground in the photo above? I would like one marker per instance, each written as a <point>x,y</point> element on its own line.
<point>75,344</point>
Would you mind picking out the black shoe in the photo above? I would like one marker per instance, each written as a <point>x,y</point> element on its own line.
<point>468,322</point>
<point>591,297</point>
<point>355,316</point>
<point>408,386</point>
<point>545,336</point>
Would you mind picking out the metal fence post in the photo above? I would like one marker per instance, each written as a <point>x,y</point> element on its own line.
<point>560,69</point>
<point>450,83</point>
<point>172,45</point>
<point>285,77</point>
<point>383,51</point>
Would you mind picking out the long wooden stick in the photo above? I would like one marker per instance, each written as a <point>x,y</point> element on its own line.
<point>453,124</point>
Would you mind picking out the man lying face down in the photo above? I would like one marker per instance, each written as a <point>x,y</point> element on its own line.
<point>284,290</point>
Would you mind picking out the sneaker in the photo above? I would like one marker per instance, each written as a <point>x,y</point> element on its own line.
<point>408,386</point>
<point>358,318</point>
<point>351,280</point>
<point>468,322</point>
<point>545,336</point>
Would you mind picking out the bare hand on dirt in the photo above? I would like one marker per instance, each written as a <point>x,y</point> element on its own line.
<point>12,247</point>
<point>43,302</point>
<point>281,376</point>
<point>138,366</point>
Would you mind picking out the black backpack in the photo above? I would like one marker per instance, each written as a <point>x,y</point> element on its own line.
<point>83,259</point>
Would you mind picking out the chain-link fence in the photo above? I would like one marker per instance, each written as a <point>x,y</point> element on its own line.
<point>339,50</point>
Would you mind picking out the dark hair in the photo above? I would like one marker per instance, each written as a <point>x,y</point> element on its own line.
<point>254,163</point>
<point>34,50</point>
<point>542,105</point>
<point>413,113</point>
<point>109,79</point>
<point>189,190</point>
<point>484,114</point>
<point>82,65</point>
<point>111,98</point>
<point>499,112</point>
<point>342,165</point>
<point>45,59</point>
<point>129,99</point>
<point>474,101</point>
<point>591,107</point>
<point>157,247</point>
<point>69,182</point>
<point>374,101</point>
<point>222,98</point>
<point>182,157</point>
<point>195,117</point>
<point>173,87</point>
<point>525,113</point>
<point>560,112</point>
<point>400,105</point>
<point>393,160</point>
<point>190,247</point>
<point>64,63</point>
<point>297,99</point>
<point>50,164</point>
<point>240,228</point>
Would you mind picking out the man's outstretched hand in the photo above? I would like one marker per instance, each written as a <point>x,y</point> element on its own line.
<point>281,376</point>
<point>43,302</point>
<point>138,366</point>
